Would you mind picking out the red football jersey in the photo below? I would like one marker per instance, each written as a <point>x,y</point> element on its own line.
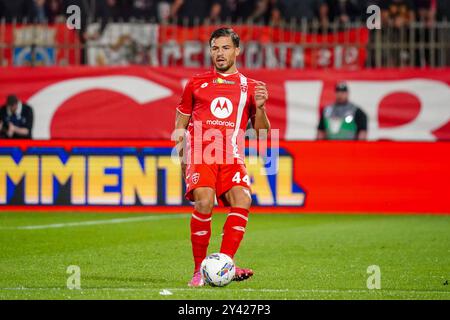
<point>220,106</point>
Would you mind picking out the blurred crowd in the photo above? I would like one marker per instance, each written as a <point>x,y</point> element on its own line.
<point>394,12</point>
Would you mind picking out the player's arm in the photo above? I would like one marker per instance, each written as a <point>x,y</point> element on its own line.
<point>182,118</point>
<point>261,120</point>
<point>181,123</point>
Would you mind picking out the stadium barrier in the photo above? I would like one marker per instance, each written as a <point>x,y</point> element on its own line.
<point>312,177</point>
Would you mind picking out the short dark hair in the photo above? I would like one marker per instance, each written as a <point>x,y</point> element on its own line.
<point>225,32</point>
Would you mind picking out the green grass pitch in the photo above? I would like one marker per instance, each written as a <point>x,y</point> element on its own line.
<point>143,256</point>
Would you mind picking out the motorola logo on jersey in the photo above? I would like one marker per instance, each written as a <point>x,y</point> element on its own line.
<point>221,107</point>
<point>220,123</point>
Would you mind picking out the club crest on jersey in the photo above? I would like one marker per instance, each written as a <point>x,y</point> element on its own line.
<point>195,178</point>
<point>221,107</point>
<point>244,88</point>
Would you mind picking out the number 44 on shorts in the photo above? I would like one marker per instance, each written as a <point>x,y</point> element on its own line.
<point>237,178</point>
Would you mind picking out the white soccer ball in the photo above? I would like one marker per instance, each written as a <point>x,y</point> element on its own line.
<point>217,269</point>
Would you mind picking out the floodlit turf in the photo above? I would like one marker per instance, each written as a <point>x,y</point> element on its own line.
<point>293,256</point>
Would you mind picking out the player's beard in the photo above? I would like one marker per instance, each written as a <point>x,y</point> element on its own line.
<point>224,68</point>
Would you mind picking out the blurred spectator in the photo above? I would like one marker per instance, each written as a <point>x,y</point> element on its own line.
<point>397,13</point>
<point>216,10</point>
<point>442,10</point>
<point>40,14</point>
<point>342,120</point>
<point>16,10</point>
<point>214,14</point>
<point>189,11</point>
<point>267,12</point>
<point>142,9</point>
<point>55,12</point>
<point>275,11</point>
<point>47,11</point>
<point>245,9</point>
<point>163,11</point>
<point>222,10</point>
<point>260,12</point>
<point>16,119</point>
<point>425,11</point>
<point>108,11</point>
<point>297,10</point>
<point>324,16</point>
<point>344,11</point>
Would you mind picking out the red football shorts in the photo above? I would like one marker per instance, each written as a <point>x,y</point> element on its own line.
<point>220,177</point>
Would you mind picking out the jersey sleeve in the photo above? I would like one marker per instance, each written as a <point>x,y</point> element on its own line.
<point>186,104</point>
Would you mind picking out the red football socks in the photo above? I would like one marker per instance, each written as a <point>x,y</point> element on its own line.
<point>233,231</point>
<point>200,235</point>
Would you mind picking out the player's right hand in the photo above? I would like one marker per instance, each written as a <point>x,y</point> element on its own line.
<point>261,94</point>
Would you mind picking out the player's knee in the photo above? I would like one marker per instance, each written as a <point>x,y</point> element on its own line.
<point>242,200</point>
<point>245,202</point>
<point>204,205</point>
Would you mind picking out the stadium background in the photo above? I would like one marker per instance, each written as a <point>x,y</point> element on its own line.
<point>104,101</point>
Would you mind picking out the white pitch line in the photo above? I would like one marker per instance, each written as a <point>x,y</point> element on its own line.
<point>315,290</point>
<point>96,222</point>
<point>381,291</point>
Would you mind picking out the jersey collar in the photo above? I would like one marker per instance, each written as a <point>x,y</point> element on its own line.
<point>225,75</point>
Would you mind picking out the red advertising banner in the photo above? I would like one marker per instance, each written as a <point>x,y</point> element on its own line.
<point>140,102</point>
<point>372,176</point>
<point>313,177</point>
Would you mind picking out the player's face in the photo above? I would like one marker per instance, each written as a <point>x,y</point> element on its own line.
<point>223,53</point>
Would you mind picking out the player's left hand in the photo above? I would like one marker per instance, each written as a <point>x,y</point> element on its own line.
<point>261,94</point>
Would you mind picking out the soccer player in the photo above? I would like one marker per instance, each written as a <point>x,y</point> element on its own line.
<point>219,104</point>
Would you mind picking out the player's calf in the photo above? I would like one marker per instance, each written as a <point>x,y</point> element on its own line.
<point>234,230</point>
<point>200,235</point>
